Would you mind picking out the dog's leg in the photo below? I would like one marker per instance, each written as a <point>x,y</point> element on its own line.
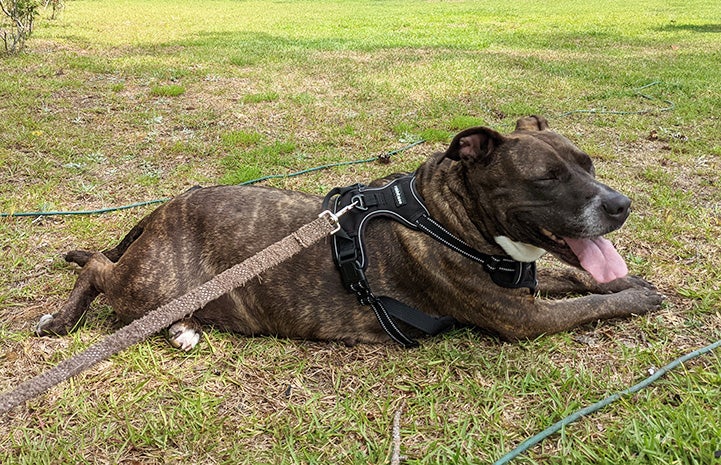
<point>81,257</point>
<point>553,282</point>
<point>534,317</point>
<point>87,288</point>
<point>183,334</point>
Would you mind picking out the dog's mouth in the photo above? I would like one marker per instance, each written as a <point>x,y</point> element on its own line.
<point>596,255</point>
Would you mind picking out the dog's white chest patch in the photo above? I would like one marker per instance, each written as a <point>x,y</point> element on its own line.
<point>520,251</point>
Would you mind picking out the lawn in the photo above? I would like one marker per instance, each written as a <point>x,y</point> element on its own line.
<point>124,101</point>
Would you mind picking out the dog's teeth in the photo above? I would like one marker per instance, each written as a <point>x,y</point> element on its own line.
<point>551,236</point>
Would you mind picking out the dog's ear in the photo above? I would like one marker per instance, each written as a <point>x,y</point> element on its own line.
<point>532,123</point>
<point>474,144</point>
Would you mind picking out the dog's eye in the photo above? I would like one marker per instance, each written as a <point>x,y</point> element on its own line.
<point>547,181</point>
<point>547,178</point>
<point>552,177</point>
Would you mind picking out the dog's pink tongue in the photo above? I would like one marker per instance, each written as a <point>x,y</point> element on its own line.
<point>599,257</point>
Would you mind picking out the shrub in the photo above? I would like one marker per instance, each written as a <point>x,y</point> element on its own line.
<point>18,25</point>
<point>56,5</point>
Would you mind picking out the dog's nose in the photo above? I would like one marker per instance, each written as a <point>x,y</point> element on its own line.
<point>617,205</point>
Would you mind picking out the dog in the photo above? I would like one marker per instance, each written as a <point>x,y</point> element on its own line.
<point>522,195</point>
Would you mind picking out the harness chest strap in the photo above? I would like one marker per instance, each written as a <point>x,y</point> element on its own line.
<point>400,201</point>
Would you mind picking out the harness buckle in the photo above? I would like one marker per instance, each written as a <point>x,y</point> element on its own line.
<point>334,218</point>
<point>359,201</point>
<point>353,277</point>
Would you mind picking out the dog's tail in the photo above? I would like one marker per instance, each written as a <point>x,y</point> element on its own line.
<point>115,253</point>
<point>81,257</point>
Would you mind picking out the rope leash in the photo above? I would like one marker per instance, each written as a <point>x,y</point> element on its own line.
<point>162,317</point>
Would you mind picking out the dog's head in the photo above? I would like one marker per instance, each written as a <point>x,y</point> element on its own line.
<point>542,194</point>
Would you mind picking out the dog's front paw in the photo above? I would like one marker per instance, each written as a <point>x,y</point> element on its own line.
<point>627,282</point>
<point>184,335</point>
<point>641,300</point>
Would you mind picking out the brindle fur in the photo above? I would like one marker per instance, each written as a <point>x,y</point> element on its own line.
<point>485,185</point>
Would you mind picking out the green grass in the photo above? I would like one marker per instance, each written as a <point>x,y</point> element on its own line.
<point>166,91</point>
<point>117,102</point>
<point>241,138</point>
<point>261,97</point>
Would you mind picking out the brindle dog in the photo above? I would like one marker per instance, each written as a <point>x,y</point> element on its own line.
<point>522,194</point>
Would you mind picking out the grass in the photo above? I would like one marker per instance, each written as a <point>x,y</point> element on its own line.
<point>117,102</point>
<point>164,91</point>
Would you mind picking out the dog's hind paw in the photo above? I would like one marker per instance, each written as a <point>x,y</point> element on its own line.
<point>43,326</point>
<point>184,335</point>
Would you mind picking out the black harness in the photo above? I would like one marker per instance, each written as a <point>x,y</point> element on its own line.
<point>400,201</point>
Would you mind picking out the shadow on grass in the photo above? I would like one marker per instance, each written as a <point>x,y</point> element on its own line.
<point>700,28</point>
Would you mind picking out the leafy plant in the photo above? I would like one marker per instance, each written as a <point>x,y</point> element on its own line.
<point>21,15</point>
<point>56,5</point>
